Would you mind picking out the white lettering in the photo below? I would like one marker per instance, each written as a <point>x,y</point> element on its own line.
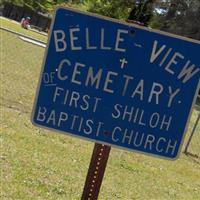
<point>127,136</point>
<point>77,72</point>
<point>89,124</point>
<point>93,79</point>
<point>52,117</point>
<point>155,53</point>
<point>171,146</point>
<point>41,114</point>
<point>88,46</point>
<point>114,132</point>
<point>158,149</point>
<point>119,39</point>
<point>117,115</point>
<point>59,40</point>
<point>154,120</point>
<point>188,72</point>
<point>57,93</point>
<point>63,117</point>
<point>73,38</point>
<point>139,90</point>
<point>108,81</point>
<point>155,92</point>
<point>172,95</point>
<point>102,41</point>
<point>167,123</point>
<point>149,141</point>
<point>62,78</point>
<point>173,61</point>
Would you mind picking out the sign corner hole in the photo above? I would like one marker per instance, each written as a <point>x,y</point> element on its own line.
<point>132,32</point>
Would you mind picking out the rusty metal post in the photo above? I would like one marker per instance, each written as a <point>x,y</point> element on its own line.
<point>96,172</point>
<point>191,135</point>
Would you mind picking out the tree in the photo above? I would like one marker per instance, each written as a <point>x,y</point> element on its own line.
<point>124,9</point>
<point>142,11</point>
<point>39,5</point>
<point>181,17</point>
<point>119,9</point>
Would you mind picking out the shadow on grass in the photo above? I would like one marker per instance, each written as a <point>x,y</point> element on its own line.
<point>193,157</point>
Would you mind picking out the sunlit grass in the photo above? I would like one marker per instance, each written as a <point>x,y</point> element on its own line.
<point>39,164</point>
<point>12,25</point>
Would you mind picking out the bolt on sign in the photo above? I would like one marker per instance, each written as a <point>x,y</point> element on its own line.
<point>117,84</point>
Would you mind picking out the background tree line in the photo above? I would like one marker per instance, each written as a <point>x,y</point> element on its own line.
<point>181,17</point>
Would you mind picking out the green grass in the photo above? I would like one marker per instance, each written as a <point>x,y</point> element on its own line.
<point>10,24</point>
<point>41,164</point>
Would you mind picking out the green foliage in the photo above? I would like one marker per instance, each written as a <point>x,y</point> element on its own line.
<point>16,2</point>
<point>181,17</point>
<point>116,9</point>
<point>46,5</point>
<point>142,11</point>
<point>156,21</point>
<point>39,5</point>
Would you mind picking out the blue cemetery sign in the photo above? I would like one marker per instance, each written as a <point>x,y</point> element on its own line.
<point>117,83</point>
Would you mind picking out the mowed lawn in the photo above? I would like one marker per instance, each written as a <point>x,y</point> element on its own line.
<point>37,164</point>
<point>15,26</point>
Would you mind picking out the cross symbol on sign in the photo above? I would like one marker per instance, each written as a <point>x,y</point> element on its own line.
<point>123,62</point>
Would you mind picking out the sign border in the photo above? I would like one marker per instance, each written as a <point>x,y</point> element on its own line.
<point>130,25</point>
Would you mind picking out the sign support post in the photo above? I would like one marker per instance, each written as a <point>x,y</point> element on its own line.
<point>96,172</point>
<point>192,133</point>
